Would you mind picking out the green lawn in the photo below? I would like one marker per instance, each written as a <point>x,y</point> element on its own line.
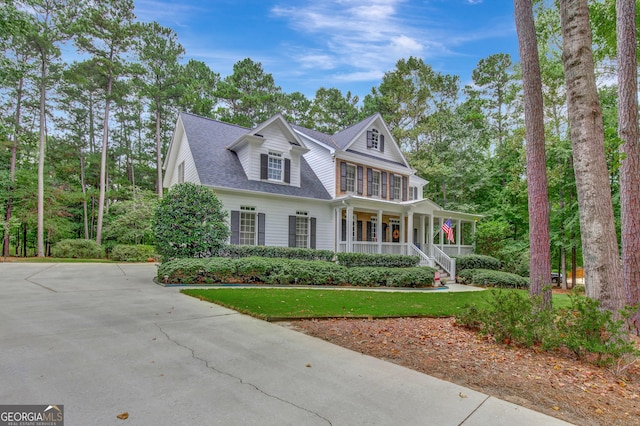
<point>296,303</point>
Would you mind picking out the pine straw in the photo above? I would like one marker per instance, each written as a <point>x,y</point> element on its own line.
<point>556,383</point>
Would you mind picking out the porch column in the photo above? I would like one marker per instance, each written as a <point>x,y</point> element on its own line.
<point>422,232</point>
<point>337,228</point>
<point>473,234</point>
<point>379,231</point>
<point>402,234</point>
<point>430,235</point>
<point>349,229</point>
<point>459,234</point>
<point>410,230</point>
<point>441,234</point>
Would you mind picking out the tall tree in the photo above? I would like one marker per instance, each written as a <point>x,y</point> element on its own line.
<point>630,149</point>
<point>332,112</point>
<point>199,84</point>
<point>106,33</point>
<point>159,53</point>
<point>603,275</point>
<point>50,16</point>
<point>540,249</point>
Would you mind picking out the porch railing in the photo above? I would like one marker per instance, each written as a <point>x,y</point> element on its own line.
<point>447,263</point>
<point>372,247</point>
<point>424,259</point>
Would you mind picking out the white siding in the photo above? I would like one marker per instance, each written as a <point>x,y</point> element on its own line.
<point>184,154</point>
<point>277,211</point>
<point>276,141</point>
<point>390,152</point>
<point>322,164</point>
<point>251,168</point>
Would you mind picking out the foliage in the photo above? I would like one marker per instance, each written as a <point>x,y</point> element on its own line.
<point>129,221</point>
<point>133,253</point>
<point>235,251</point>
<point>78,249</point>
<point>491,278</point>
<point>513,318</point>
<point>370,259</point>
<point>476,261</point>
<point>278,271</point>
<point>189,222</point>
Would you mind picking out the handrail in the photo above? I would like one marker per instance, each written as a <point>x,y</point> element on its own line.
<point>424,259</point>
<point>447,263</point>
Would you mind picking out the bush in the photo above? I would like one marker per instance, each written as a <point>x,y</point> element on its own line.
<point>491,278</point>
<point>369,259</point>
<point>189,222</point>
<point>512,318</point>
<point>476,261</point>
<point>237,251</point>
<point>288,272</point>
<point>78,249</point>
<point>133,253</point>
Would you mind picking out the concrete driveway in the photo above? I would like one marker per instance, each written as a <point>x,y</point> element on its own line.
<point>103,339</point>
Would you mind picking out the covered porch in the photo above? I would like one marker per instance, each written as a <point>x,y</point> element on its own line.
<point>414,228</point>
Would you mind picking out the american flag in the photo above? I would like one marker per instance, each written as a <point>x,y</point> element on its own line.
<point>447,229</point>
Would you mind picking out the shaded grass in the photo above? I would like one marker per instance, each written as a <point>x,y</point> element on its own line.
<point>280,303</point>
<point>52,260</point>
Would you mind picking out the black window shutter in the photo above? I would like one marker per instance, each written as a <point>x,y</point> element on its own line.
<point>344,230</point>
<point>381,144</point>
<point>287,170</point>
<point>383,179</point>
<point>369,137</point>
<point>261,229</point>
<point>264,166</point>
<point>359,231</point>
<point>235,227</point>
<point>369,181</point>
<point>360,171</point>
<point>369,233</point>
<point>404,188</point>
<point>312,239</point>
<point>343,176</point>
<point>392,179</point>
<point>292,231</point>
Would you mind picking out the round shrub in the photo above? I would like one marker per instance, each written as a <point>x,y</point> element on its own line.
<point>189,222</point>
<point>78,249</point>
<point>476,261</point>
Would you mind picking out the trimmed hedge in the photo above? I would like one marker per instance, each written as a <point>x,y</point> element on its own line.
<point>133,253</point>
<point>476,261</point>
<point>236,251</point>
<point>78,249</point>
<point>371,259</point>
<point>491,278</point>
<point>288,272</point>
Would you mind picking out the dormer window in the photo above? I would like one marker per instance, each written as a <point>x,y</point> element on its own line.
<point>375,140</point>
<point>351,178</point>
<point>275,166</point>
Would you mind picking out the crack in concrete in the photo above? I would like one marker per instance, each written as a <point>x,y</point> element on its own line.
<point>29,280</point>
<point>239,379</point>
<point>473,412</point>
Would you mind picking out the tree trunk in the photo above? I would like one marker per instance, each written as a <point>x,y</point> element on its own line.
<point>158,151</point>
<point>603,274</point>
<point>84,198</point>
<point>41,152</point>
<point>540,246</point>
<point>630,150</point>
<point>103,161</point>
<point>12,166</point>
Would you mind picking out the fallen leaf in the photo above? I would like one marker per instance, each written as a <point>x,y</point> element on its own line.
<point>462,395</point>
<point>123,416</point>
<point>308,365</point>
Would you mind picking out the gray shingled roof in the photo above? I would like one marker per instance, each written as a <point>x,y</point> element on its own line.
<point>343,137</point>
<point>220,167</point>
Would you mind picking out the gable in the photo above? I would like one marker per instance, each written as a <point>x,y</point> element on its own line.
<point>384,148</point>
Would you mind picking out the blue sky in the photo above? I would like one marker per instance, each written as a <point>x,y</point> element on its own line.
<point>347,44</point>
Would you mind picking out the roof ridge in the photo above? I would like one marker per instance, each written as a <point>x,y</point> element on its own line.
<point>214,120</point>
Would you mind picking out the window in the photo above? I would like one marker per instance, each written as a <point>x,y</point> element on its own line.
<point>181,172</point>
<point>375,139</point>
<point>375,184</point>
<point>413,193</point>
<point>397,183</point>
<point>302,230</point>
<point>351,178</point>
<point>275,166</point>
<point>247,226</point>
<point>374,228</point>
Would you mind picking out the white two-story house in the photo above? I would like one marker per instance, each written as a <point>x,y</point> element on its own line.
<point>286,185</point>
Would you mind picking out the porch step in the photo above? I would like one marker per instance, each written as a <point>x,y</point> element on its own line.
<point>444,276</point>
